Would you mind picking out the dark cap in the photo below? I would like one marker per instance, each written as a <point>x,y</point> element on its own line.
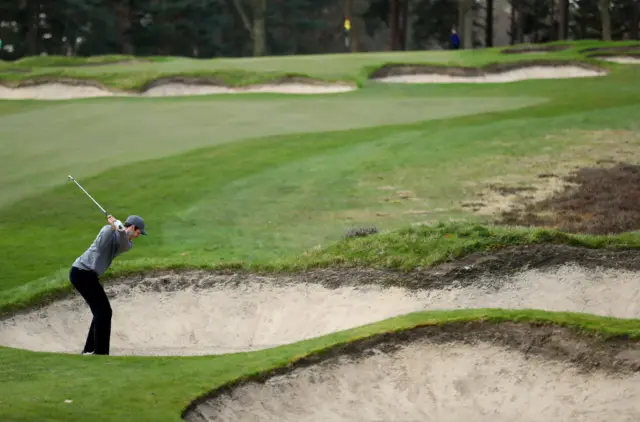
<point>136,220</point>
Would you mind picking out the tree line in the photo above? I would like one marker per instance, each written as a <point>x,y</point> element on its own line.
<point>231,28</point>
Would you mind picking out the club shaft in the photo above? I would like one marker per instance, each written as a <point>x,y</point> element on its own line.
<point>91,197</point>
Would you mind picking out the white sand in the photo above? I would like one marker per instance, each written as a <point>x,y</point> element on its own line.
<point>260,314</point>
<point>431,382</point>
<point>52,91</point>
<point>62,91</point>
<point>623,60</point>
<point>534,72</point>
<point>176,89</point>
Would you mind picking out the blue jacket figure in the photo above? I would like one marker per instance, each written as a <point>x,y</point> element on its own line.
<point>455,40</point>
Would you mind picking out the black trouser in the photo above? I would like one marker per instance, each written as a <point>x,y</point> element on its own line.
<point>88,285</point>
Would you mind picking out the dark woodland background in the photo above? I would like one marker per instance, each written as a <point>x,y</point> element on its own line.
<point>233,28</point>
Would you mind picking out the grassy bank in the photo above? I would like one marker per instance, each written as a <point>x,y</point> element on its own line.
<point>36,385</point>
<point>402,250</point>
<point>129,73</point>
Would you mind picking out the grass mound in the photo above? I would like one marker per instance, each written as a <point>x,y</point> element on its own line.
<point>424,246</point>
<point>535,48</point>
<point>137,83</point>
<point>65,61</point>
<point>627,47</point>
<point>609,53</point>
<point>601,201</point>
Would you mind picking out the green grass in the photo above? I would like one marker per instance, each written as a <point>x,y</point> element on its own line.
<point>107,134</point>
<point>271,183</point>
<point>264,198</point>
<point>36,385</point>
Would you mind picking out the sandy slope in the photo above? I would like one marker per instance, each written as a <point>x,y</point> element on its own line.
<point>533,72</point>
<point>623,59</point>
<point>61,91</point>
<point>433,382</point>
<point>261,313</point>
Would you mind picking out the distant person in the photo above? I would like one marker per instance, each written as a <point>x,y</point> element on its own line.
<point>455,40</point>
<point>87,269</point>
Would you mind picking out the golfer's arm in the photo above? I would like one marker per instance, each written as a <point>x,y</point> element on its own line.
<point>105,234</point>
<point>124,241</point>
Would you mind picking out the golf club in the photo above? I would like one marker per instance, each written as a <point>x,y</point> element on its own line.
<point>118,223</point>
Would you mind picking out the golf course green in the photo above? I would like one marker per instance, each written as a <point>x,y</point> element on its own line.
<point>268,184</point>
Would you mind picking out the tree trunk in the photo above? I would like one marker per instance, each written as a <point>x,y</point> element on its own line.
<point>30,26</point>
<point>397,22</point>
<point>488,34</point>
<point>256,27</point>
<point>462,22</point>
<point>554,11</point>
<point>521,21</point>
<point>123,15</point>
<point>402,26</point>
<point>259,27</point>
<point>513,27</point>
<point>461,13</point>
<point>635,20</point>
<point>465,23</point>
<point>468,26</point>
<point>563,19</point>
<point>392,20</point>
<point>32,33</point>
<point>605,16</point>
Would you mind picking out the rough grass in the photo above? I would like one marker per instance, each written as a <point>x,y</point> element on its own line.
<point>601,201</point>
<point>36,385</point>
<point>425,246</point>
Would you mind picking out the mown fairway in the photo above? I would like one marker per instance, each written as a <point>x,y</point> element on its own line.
<point>263,178</point>
<point>113,132</point>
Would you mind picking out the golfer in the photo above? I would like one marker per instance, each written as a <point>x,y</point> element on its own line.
<point>87,269</point>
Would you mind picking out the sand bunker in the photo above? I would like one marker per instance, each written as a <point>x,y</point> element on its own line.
<point>64,91</point>
<point>512,75</point>
<point>201,313</point>
<point>174,89</point>
<point>494,378</point>
<point>622,59</point>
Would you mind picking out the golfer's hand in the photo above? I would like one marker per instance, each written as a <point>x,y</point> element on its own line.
<point>112,220</point>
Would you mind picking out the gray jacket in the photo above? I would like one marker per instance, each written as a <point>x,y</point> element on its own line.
<point>107,245</point>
